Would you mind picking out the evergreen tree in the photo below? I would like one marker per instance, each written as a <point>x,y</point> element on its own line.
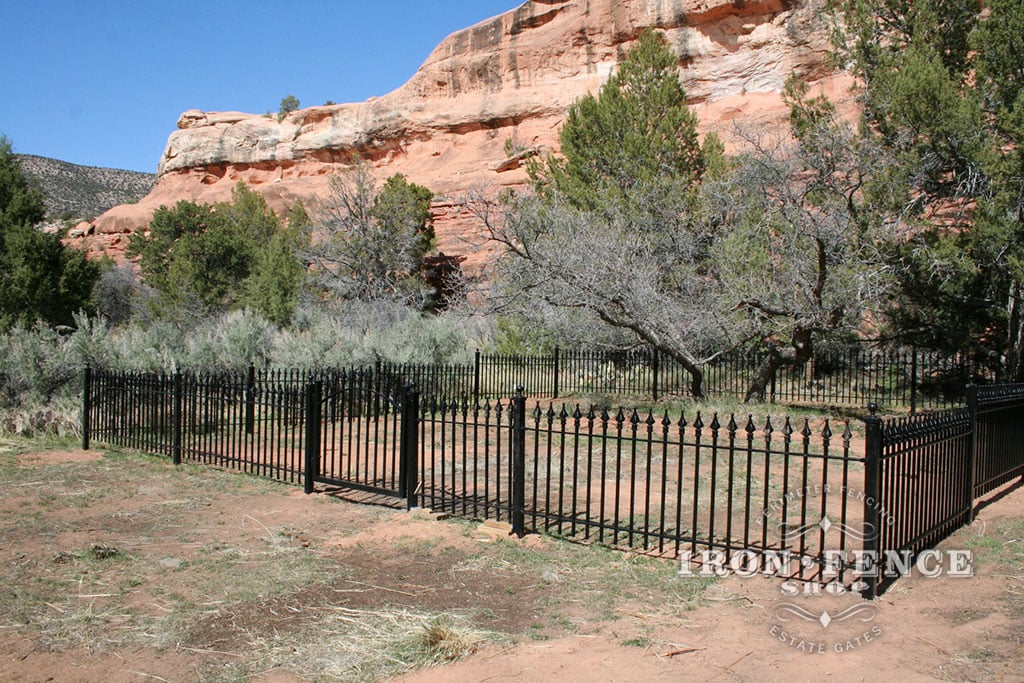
<point>371,243</point>
<point>277,275</point>
<point>402,207</point>
<point>289,103</point>
<point>20,203</point>
<point>636,135</point>
<point>231,255</point>
<point>608,248</point>
<point>40,278</point>
<point>168,227</point>
<point>796,248</point>
<point>941,97</point>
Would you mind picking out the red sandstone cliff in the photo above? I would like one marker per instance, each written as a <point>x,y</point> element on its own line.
<point>513,76</point>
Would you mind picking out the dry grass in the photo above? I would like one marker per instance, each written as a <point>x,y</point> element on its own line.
<point>356,645</point>
<point>125,553</point>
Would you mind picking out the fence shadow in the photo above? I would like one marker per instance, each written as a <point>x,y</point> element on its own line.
<point>998,495</point>
<point>362,497</point>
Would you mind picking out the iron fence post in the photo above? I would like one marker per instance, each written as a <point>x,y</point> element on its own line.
<point>476,377</point>
<point>314,392</point>
<point>250,400</point>
<point>518,513</point>
<point>557,358</point>
<point>972,458</point>
<point>408,475</point>
<point>913,382</point>
<point>872,500</point>
<point>176,417</point>
<point>86,405</point>
<point>654,373</point>
<point>403,436</point>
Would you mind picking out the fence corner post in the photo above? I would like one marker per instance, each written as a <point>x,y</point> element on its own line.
<point>410,451</point>
<point>176,417</point>
<point>518,513</point>
<point>872,500</point>
<point>972,456</point>
<point>314,393</point>
<point>86,405</point>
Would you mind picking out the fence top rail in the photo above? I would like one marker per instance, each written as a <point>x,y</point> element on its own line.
<point>795,436</point>
<point>935,424</point>
<point>999,395</point>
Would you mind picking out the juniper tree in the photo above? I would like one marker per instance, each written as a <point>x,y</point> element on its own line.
<point>797,248</point>
<point>641,228</point>
<point>941,94</point>
<point>41,280</point>
<point>203,258</point>
<point>370,243</point>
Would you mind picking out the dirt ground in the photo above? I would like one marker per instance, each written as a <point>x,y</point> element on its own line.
<point>119,567</point>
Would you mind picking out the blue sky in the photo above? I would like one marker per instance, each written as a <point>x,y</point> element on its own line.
<point>102,82</point>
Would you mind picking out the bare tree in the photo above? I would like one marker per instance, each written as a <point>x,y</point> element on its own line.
<point>641,272</point>
<point>367,247</point>
<point>799,251</point>
<point>776,246</point>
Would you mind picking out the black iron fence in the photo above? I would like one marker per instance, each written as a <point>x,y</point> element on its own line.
<point>854,377</point>
<point>924,474</point>
<point>802,498</point>
<point>252,422</point>
<point>705,487</point>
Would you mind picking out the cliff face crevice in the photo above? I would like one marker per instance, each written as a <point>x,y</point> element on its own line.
<point>512,77</point>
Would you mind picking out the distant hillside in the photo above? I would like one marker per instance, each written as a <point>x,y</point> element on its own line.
<point>83,191</point>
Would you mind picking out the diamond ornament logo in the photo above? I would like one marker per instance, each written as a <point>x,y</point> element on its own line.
<point>788,611</point>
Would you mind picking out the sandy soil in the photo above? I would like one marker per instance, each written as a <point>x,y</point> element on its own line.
<point>110,577</point>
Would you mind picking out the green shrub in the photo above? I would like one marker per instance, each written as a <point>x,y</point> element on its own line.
<point>33,366</point>
<point>289,103</point>
<point>40,366</point>
<point>231,341</point>
<point>38,383</point>
<point>421,339</point>
<point>360,333</point>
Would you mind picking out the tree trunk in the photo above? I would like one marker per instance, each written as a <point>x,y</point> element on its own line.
<point>689,364</point>
<point>696,380</point>
<point>799,352</point>
<point>1015,335</point>
<point>657,339</point>
<point>763,375</point>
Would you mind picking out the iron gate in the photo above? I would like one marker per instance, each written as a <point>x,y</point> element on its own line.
<point>362,433</point>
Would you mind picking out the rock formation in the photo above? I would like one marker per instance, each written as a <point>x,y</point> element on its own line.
<point>510,78</point>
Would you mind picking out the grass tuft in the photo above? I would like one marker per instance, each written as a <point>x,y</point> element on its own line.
<point>443,640</point>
